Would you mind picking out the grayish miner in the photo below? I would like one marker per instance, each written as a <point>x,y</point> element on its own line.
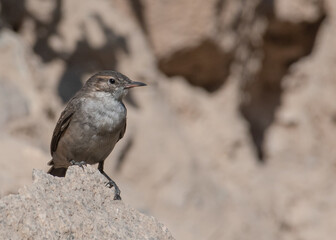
<point>93,121</point>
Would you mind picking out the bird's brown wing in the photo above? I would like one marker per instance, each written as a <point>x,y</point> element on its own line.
<point>61,126</point>
<point>122,132</point>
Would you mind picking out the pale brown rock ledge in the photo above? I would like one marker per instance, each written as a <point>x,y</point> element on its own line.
<point>78,206</point>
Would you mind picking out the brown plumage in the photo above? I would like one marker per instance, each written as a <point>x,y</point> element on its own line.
<point>93,121</point>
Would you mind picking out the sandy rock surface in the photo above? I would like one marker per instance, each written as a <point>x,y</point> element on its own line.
<point>78,206</point>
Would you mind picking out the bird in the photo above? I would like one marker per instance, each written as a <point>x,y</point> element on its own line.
<point>93,121</point>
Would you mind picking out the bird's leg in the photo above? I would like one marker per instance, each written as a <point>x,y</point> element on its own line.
<point>110,182</point>
<point>80,164</point>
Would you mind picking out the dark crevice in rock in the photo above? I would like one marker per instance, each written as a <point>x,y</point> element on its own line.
<point>15,12</point>
<point>219,7</point>
<point>43,32</point>
<point>284,44</point>
<point>138,10</point>
<point>205,65</point>
<point>12,12</point>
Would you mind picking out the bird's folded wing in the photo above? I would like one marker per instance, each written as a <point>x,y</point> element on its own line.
<point>61,126</point>
<point>122,132</point>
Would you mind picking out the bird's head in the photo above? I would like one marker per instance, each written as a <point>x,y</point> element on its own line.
<point>111,82</point>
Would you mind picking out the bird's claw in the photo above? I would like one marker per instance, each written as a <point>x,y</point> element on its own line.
<point>117,192</point>
<point>79,164</point>
<point>116,197</point>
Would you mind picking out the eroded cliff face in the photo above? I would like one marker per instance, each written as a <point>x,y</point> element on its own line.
<point>233,137</point>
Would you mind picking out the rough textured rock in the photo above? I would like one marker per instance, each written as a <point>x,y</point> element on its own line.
<point>284,41</point>
<point>193,39</point>
<point>12,103</point>
<point>78,206</point>
<point>23,122</point>
<point>303,137</point>
<point>16,73</point>
<point>14,168</point>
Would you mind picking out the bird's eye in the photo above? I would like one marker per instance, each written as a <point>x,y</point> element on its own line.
<point>111,81</point>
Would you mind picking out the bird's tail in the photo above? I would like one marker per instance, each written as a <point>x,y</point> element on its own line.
<point>58,172</point>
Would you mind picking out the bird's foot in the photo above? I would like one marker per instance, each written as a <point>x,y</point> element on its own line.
<point>79,164</point>
<point>117,192</point>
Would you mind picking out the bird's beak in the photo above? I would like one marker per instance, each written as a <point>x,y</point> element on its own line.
<point>135,84</point>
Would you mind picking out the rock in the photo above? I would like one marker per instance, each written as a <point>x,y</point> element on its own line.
<point>284,41</point>
<point>25,109</point>
<point>301,156</point>
<point>309,105</point>
<point>12,13</point>
<point>16,74</point>
<point>13,103</point>
<point>84,45</point>
<point>18,158</point>
<point>299,10</point>
<point>78,206</point>
<point>194,39</point>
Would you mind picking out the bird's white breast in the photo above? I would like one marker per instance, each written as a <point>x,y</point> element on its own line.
<point>104,112</point>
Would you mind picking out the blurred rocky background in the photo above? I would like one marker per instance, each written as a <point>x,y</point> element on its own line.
<point>234,136</point>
